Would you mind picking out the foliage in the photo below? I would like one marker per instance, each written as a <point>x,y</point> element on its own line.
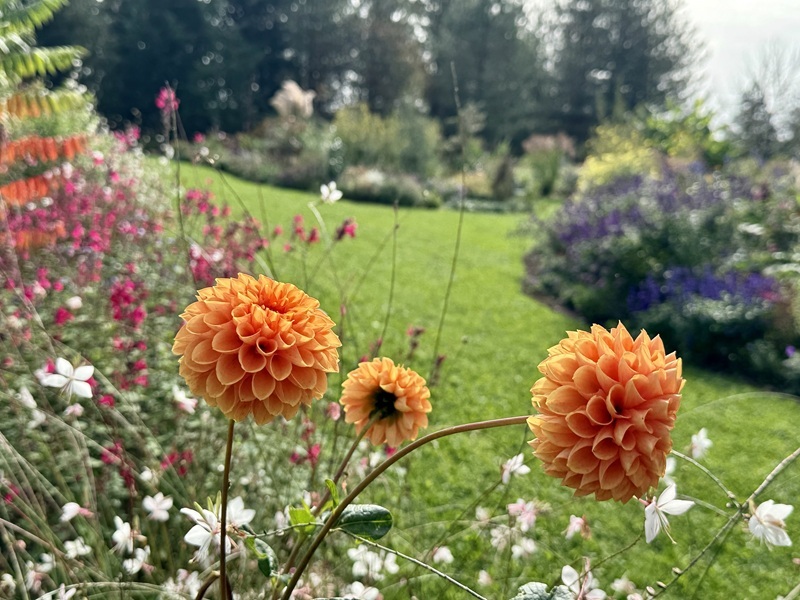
<point>617,151</point>
<point>404,142</point>
<point>612,56</point>
<point>709,263</point>
<point>373,185</point>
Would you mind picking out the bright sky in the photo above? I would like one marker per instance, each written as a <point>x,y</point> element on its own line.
<point>735,32</point>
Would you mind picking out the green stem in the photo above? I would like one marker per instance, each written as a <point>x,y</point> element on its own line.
<point>337,512</point>
<point>226,473</point>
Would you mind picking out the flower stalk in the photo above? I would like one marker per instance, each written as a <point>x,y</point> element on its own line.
<point>226,474</point>
<point>337,512</point>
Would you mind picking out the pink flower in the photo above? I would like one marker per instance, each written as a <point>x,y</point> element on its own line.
<point>334,411</point>
<point>62,316</point>
<point>166,101</point>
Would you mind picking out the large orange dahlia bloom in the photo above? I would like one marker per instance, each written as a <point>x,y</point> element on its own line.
<point>395,398</point>
<point>256,346</point>
<point>606,406</point>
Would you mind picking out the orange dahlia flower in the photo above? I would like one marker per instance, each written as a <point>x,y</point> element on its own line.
<point>395,396</point>
<point>257,347</point>
<point>606,406</point>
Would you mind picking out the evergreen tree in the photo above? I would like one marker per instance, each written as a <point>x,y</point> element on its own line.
<point>497,63</point>
<point>613,55</point>
<point>756,133</point>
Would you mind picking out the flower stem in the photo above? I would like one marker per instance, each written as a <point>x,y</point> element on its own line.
<point>226,474</point>
<point>337,512</point>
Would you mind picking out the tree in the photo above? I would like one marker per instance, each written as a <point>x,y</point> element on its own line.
<point>497,64</point>
<point>613,55</point>
<point>756,133</point>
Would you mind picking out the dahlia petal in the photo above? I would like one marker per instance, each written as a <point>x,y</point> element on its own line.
<point>203,353</point>
<point>288,393</point>
<point>598,412</point>
<point>290,411</point>
<point>266,346</point>
<point>213,385</point>
<point>226,341</point>
<point>581,460</point>
<point>279,367</point>
<point>244,389</point>
<point>196,326</point>
<point>250,359</point>
<point>611,475</point>
<point>260,413</point>
<point>604,446</point>
<point>565,399</point>
<point>624,434</point>
<point>241,411</point>
<point>216,320</point>
<point>580,424</point>
<point>229,371</point>
<point>585,379</point>
<point>263,384</point>
<point>560,368</point>
<point>274,405</point>
<point>227,400</point>
<point>303,377</point>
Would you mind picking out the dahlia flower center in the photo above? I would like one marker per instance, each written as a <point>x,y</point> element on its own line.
<point>383,404</point>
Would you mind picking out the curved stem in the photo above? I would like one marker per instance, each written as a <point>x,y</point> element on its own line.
<point>226,473</point>
<point>714,478</point>
<point>337,512</point>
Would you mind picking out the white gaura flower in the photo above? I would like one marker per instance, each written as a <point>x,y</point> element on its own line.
<point>768,523</point>
<point>184,402</point>
<point>656,510</point>
<point>157,507</point>
<point>122,536</point>
<point>359,591</point>
<point>523,549</point>
<point>526,513</point>
<point>72,509</point>
<point>72,381</point>
<point>700,444</point>
<point>514,466</point>
<point>76,548</point>
<point>577,525</point>
<point>207,526</point>
<point>26,398</point>
<point>484,578</point>
<point>74,303</point>
<point>329,193</point>
<point>586,589</point>
<point>206,531</point>
<point>442,555</point>
<point>138,562</point>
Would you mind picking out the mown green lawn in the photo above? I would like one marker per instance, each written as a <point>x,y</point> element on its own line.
<point>493,338</point>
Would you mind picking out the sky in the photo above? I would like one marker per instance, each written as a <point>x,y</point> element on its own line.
<point>735,33</point>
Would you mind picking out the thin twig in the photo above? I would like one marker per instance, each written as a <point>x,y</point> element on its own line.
<point>713,477</point>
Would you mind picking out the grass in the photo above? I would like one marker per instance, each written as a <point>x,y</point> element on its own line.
<point>493,338</point>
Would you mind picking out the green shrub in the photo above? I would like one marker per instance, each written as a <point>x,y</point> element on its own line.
<point>404,142</point>
<point>372,185</point>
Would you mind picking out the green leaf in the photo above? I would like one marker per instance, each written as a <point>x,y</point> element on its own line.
<point>538,591</point>
<point>266,557</point>
<point>334,492</point>
<point>367,520</point>
<point>302,516</point>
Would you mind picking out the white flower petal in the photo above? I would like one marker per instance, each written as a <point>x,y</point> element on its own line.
<point>652,524</point>
<point>54,380</point>
<point>81,388</point>
<point>83,373</point>
<point>64,367</point>
<point>677,507</point>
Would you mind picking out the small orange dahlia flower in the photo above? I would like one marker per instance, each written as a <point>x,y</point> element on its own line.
<point>256,346</point>
<point>395,396</point>
<point>606,406</point>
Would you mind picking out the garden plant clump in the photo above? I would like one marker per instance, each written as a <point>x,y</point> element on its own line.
<point>708,260</point>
